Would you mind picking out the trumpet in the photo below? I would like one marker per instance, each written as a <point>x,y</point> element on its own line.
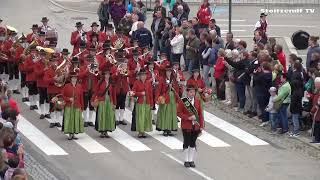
<point>111,58</point>
<point>94,69</point>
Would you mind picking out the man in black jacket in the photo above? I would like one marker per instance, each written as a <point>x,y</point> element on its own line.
<point>142,35</point>
<point>157,28</point>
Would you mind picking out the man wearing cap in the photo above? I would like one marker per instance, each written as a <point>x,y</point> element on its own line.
<point>9,50</point>
<point>196,80</point>
<point>39,69</point>
<point>94,29</point>
<point>162,64</point>
<point>105,98</point>
<point>20,57</point>
<point>191,125</point>
<point>104,59</point>
<point>50,78</point>
<point>45,27</point>
<point>167,97</point>
<point>42,38</point>
<point>72,118</point>
<point>109,31</point>
<point>95,42</point>
<point>77,37</point>
<point>262,25</point>
<point>29,63</point>
<point>178,75</point>
<point>142,90</point>
<point>34,35</point>
<point>83,52</point>
<point>89,82</point>
<point>134,66</point>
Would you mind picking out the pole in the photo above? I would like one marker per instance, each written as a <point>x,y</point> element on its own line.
<point>230,13</point>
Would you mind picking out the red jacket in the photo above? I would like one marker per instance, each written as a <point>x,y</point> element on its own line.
<point>7,45</point>
<point>204,14</point>
<point>29,37</point>
<point>146,87</point>
<point>49,75</point>
<point>28,68</point>
<point>132,65</point>
<point>84,75</point>
<point>39,69</point>
<point>163,90</point>
<point>162,68</point>
<point>219,68</point>
<point>315,108</point>
<point>101,36</point>
<point>125,38</point>
<point>75,92</point>
<point>75,42</point>
<point>282,59</point>
<point>180,74</point>
<point>156,75</point>
<point>100,95</point>
<point>121,82</point>
<point>199,83</point>
<point>184,114</point>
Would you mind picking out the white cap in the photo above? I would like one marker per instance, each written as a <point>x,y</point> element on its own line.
<point>273,89</point>
<point>317,80</point>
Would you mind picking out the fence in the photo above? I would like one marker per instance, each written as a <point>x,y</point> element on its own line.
<point>259,2</point>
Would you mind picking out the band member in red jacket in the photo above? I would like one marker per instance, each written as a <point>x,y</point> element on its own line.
<point>39,69</point>
<point>121,86</point>
<point>29,63</point>
<point>34,35</point>
<point>8,49</point>
<point>72,118</point>
<point>142,89</point>
<point>153,77</point>
<point>77,37</point>
<point>197,81</point>
<point>167,96</point>
<point>162,64</point>
<point>104,98</point>
<point>134,66</point>
<point>191,125</point>
<point>51,77</point>
<point>89,82</point>
<point>101,35</point>
<point>178,75</point>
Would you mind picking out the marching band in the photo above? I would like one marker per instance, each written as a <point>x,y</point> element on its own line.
<point>101,75</point>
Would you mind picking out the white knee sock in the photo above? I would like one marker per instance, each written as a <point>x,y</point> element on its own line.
<point>117,114</point>
<point>42,109</point>
<point>91,116</point>
<point>121,114</point>
<point>53,118</point>
<point>186,155</point>
<point>154,115</point>
<point>15,84</point>
<point>192,152</point>
<point>46,108</point>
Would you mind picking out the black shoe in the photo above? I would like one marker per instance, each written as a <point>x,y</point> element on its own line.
<point>52,125</point>
<point>123,122</point>
<point>153,122</point>
<point>47,116</point>
<point>178,120</point>
<point>74,137</point>
<point>253,114</point>
<point>31,107</point>
<point>42,116</point>
<point>144,136</point>
<point>314,142</point>
<point>35,107</point>
<point>102,135</point>
<point>90,124</point>
<point>117,123</point>
<point>16,92</point>
<point>170,133</point>
<point>27,99</point>
<point>86,124</point>
<point>186,164</point>
<point>165,134</point>
<point>70,137</point>
<point>58,124</point>
<point>192,164</point>
<point>23,100</point>
<point>247,113</point>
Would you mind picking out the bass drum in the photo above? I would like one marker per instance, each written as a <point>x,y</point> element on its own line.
<point>52,35</point>
<point>300,39</point>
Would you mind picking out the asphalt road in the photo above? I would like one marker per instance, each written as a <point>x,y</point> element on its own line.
<point>230,148</point>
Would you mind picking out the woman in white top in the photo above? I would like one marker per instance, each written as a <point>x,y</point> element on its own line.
<point>177,44</point>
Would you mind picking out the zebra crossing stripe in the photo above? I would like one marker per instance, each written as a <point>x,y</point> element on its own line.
<point>85,141</point>
<point>233,130</point>
<point>43,142</point>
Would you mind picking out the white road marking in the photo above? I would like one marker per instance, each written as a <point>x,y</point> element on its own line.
<point>43,142</point>
<point>233,20</point>
<point>233,130</point>
<point>171,142</point>
<point>210,140</point>
<point>129,142</point>
<point>271,25</point>
<point>225,31</point>
<point>85,141</point>
<point>191,169</point>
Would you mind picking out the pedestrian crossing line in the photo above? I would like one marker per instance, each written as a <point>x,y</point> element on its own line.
<point>43,142</point>
<point>209,139</point>
<point>170,142</point>
<point>85,141</point>
<point>128,141</point>
<point>233,130</point>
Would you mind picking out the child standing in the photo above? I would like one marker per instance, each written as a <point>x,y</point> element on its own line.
<point>272,111</point>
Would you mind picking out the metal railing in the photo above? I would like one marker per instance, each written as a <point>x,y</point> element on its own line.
<point>261,2</point>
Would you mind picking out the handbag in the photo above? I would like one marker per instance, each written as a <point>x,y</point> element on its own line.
<point>278,104</point>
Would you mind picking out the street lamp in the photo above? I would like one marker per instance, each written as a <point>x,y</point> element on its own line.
<point>230,13</point>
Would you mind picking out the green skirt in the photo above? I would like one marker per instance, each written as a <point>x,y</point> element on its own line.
<point>105,118</point>
<point>167,115</point>
<point>72,121</point>
<point>143,118</point>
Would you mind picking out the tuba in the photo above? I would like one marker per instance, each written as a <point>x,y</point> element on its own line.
<point>119,43</point>
<point>62,72</point>
<point>26,51</point>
